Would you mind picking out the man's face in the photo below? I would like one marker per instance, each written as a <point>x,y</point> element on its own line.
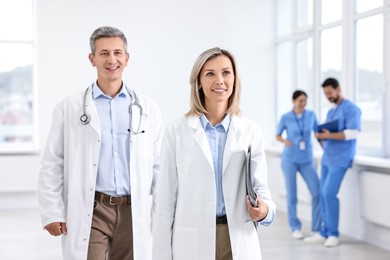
<point>333,95</point>
<point>110,58</point>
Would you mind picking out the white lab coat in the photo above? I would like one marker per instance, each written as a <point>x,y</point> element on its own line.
<point>69,167</point>
<point>185,222</point>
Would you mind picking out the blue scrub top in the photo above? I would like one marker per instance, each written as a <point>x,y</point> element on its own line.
<point>340,153</point>
<point>298,129</point>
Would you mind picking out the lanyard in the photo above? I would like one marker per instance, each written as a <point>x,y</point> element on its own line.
<point>300,126</point>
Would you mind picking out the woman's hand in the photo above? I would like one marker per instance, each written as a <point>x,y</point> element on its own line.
<point>257,213</point>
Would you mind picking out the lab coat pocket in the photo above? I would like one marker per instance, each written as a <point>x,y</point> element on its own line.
<point>185,243</point>
<point>143,145</point>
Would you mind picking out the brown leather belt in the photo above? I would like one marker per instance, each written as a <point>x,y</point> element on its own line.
<point>221,220</point>
<point>113,200</point>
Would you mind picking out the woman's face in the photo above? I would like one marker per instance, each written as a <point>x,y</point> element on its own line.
<point>217,80</point>
<point>300,102</point>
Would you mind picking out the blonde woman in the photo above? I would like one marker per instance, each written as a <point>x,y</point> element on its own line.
<point>202,211</point>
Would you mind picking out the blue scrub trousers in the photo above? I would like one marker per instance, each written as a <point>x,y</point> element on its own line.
<point>330,183</point>
<point>309,175</point>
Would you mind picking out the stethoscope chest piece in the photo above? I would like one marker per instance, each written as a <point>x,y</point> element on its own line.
<point>85,119</point>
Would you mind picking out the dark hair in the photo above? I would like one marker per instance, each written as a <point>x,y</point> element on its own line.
<point>298,93</point>
<point>331,82</point>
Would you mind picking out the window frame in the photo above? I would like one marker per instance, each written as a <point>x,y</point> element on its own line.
<point>348,74</point>
<point>28,147</point>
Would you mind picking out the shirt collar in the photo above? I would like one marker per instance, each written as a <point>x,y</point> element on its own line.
<point>225,122</point>
<point>97,92</point>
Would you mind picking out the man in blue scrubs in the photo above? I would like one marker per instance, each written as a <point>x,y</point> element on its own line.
<point>339,151</point>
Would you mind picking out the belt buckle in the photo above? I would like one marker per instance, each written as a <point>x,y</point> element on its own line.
<point>111,203</point>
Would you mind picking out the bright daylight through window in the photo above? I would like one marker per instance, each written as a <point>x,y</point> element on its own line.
<point>344,39</point>
<point>17,121</point>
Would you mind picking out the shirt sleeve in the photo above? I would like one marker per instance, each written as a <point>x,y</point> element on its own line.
<point>351,134</point>
<point>353,117</point>
<point>269,219</point>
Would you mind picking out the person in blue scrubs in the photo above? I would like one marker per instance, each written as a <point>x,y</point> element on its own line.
<point>339,151</point>
<point>297,157</point>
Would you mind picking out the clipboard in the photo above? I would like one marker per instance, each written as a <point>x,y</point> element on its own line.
<point>332,126</point>
<point>248,179</point>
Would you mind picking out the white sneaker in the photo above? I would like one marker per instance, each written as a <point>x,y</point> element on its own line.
<point>316,238</point>
<point>332,241</point>
<point>297,234</point>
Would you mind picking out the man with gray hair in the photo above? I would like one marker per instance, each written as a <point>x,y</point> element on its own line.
<point>98,170</point>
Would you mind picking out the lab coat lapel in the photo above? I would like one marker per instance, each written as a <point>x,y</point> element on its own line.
<point>90,109</point>
<point>201,138</point>
<point>233,142</point>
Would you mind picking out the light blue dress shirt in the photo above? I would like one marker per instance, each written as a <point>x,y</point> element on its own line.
<point>217,138</point>
<point>113,177</point>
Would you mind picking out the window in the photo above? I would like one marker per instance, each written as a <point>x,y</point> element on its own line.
<point>344,39</point>
<point>331,59</point>
<point>284,81</point>
<point>368,83</point>
<point>17,104</point>
<point>304,13</point>
<point>364,5</point>
<point>304,68</point>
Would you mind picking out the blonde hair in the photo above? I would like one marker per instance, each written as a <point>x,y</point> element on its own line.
<point>197,98</point>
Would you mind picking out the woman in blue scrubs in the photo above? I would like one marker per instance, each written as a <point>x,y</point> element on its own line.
<point>297,156</point>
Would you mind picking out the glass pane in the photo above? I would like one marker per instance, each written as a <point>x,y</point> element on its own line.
<point>284,78</point>
<point>283,17</point>
<point>17,15</point>
<point>365,5</point>
<point>331,10</point>
<point>305,69</point>
<point>369,69</point>
<point>304,13</point>
<point>16,93</point>
<point>331,60</point>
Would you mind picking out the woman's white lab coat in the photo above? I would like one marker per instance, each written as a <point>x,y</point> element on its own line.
<point>185,222</point>
<point>69,167</point>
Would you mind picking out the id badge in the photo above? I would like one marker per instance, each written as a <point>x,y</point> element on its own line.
<point>302,145</point>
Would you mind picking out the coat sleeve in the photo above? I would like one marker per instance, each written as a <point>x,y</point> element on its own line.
<point>260,182</point>
<point>166,195</point>
<point>51,175</point>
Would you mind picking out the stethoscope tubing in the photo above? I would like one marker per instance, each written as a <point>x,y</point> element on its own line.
<point>85,119</point>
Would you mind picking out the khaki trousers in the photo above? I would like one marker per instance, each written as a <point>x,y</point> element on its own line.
<point>111,232</point>
<point>223,249</point>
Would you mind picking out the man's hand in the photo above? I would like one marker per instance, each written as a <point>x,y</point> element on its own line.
<point>56,228</point>
<point>257,213</point>
<point>325,134</point>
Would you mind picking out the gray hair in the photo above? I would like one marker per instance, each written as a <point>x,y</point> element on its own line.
<point>197,98</point>
<point>103,32</point>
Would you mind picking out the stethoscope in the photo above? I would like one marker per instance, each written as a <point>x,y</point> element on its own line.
<point>85,118</point>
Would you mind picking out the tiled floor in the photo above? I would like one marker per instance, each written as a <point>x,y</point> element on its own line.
<point>21,238</point>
